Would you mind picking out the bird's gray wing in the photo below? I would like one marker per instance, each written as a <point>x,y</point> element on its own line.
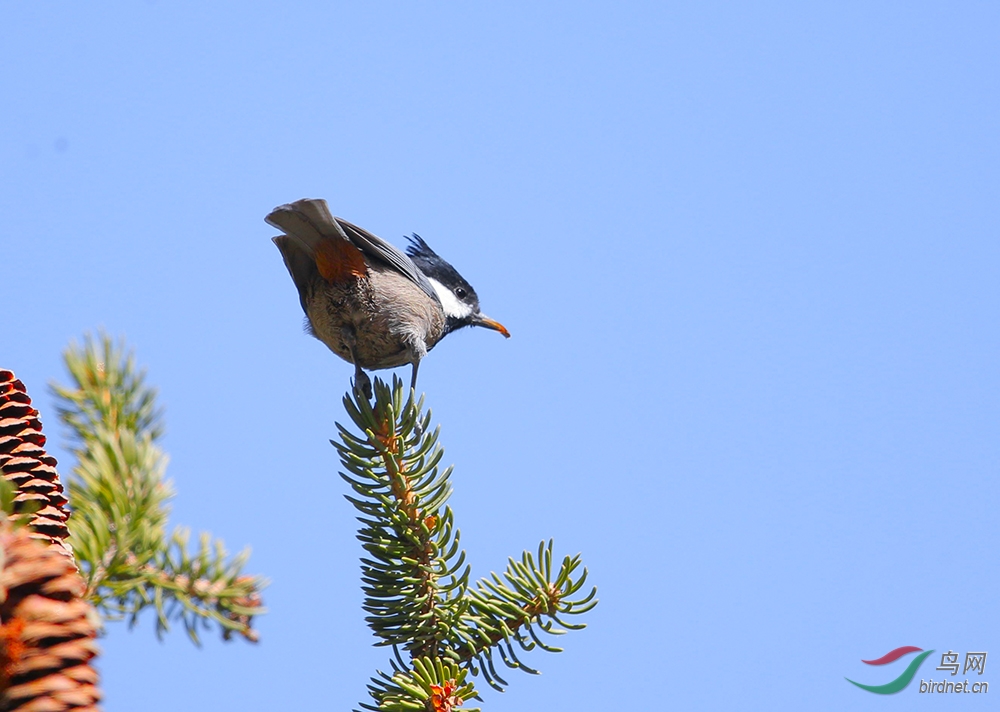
<point>309,222</point>
<point>374,246</point>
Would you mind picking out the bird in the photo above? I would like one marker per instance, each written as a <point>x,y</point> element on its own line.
<point>370,303</point>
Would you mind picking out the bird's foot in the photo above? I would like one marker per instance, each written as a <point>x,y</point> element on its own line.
<point>411,406</point>
<point>362,384</point>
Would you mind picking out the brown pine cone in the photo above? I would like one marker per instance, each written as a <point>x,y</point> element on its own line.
<point>47,634</point>
<point>24,462</point>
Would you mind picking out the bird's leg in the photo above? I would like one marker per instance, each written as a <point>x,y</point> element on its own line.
<point>362,384</point>
<point>417,429</point>
<point>419,350</point>
<point>413,378</point>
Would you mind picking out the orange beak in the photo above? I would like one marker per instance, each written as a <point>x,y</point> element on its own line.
<point>490,324</point>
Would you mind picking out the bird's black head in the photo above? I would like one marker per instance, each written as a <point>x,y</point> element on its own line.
<point>458,299</point>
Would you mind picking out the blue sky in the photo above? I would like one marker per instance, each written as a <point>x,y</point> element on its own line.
<point>747,253</point>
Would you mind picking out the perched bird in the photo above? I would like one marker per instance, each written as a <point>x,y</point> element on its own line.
<point>368,302</point>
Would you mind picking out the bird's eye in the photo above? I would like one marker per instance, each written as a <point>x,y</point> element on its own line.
<point>460,292</point>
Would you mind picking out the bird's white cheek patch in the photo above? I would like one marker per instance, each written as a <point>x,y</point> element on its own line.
<point>452,306</point>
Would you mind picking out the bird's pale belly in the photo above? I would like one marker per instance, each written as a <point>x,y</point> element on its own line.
<point>383,338</point>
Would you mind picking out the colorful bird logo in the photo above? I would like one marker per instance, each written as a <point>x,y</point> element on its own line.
<point>903,680</point>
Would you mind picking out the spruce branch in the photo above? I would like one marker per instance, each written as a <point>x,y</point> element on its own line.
<point>415,566</point>
<point>414,573</point>
<point>120,500</point>
<point>427,684</point>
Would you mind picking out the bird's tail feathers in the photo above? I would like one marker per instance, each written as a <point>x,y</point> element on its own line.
<point>307,221</point>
